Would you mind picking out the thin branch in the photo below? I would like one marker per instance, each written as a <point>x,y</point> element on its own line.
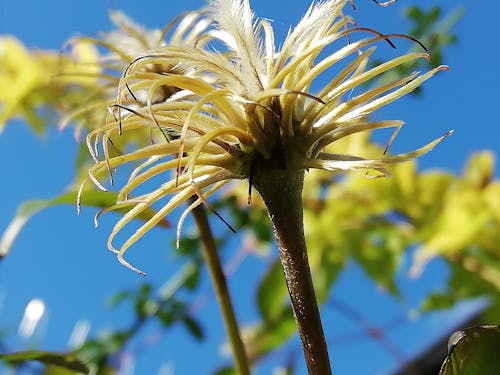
<point>212,260</point>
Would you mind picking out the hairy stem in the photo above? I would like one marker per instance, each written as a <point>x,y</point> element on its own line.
<point>212,260</point>
<point>281,190</point>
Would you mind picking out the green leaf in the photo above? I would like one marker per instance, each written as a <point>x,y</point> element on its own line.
<point>462,285</point>
<point>166,317</point>
<point>101,370</point>
<point>272,293</point>
<point>193,327</point>
<point>56,370</point>
<point>90,198</point>
<point>473,351</point>
<point>438,301</point>
<point>271,334</point>
<point>226,371</point>
<point>97,351</point>
<point>65,360</point>
<point>254,219</point>
<point>188,245</point>
<point>119,297</point>
<point>193,280</point>
<point>423,21</point>
<point>434,31</point>
<point>144,305</point>
<point>259,224</point>
<point>187,277</point>
<point>378,250</point>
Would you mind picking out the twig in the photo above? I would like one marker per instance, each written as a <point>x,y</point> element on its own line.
<point>209,250</point>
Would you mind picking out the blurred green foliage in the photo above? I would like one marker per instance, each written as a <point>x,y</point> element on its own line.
<point>69,362</point>
<point>434,32</point>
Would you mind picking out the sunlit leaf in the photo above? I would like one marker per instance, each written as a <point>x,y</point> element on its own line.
<point>431,187</point>
<point>473,351</point>
<point>29,81</point>
<point>492,197</point>
<point>479,169</point>
<point>19,74</point>
<point>56,370</point>
<point>459,223</point>
<point>66,360</point>
<point>90,198</point>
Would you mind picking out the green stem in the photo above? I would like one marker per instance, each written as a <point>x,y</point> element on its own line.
<point>281,190</point>
<point>209,250</point>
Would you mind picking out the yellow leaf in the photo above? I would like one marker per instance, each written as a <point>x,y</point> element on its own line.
<point>462,217</point>
<point>492,197</point>
<point>19,75</point>
<point>405,177</point>
<point>479,169</point>
<point>82,66</point>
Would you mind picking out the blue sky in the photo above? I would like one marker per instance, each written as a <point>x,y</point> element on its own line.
<point>61,259</point>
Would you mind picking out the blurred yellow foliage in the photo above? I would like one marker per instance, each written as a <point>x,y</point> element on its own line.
<point>31,80</point>
<point>456,217</point>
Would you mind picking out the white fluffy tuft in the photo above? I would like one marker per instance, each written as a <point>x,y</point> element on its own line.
<point>237,28</point>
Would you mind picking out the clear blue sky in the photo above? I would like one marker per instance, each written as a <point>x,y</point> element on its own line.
<point>61,259</point>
